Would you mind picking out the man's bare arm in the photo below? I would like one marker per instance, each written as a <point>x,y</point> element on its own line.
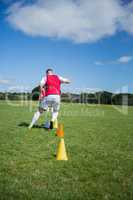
<point>64,80</point>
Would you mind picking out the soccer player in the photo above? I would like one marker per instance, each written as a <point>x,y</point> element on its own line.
<point>50,97</point>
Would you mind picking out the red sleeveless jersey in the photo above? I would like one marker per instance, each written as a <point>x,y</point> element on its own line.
<point>53,85</point>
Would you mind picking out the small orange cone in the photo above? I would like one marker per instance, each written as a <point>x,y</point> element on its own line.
<point>61,152</point>
<point>60,131</point>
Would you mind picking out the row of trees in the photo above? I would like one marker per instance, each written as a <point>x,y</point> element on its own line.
<point>15,96</point>
<point>102,97</point>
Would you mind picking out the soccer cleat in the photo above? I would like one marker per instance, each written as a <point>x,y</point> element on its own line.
<point>51,125</point>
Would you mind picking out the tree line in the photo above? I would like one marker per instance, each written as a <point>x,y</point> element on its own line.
<point>101,97</point>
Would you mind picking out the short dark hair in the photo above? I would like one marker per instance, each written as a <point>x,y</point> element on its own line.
<point>49,70</point>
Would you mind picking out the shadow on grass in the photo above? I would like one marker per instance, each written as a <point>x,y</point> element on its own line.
<point>25,124</point>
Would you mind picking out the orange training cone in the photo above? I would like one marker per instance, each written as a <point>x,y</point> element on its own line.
<point>61,152</point>
<point>60,131</point>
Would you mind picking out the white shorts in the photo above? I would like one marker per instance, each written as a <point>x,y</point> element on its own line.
<point>52,101</point>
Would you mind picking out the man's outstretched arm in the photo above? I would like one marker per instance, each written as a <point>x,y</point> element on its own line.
<point>64,80</point>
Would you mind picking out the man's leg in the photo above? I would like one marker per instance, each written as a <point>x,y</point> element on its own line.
<point>35,117</point>
<point>55,112</point>
<point>54,115</point>
<point>42,107</point>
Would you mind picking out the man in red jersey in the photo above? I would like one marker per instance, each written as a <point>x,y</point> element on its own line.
<point>51,98</point>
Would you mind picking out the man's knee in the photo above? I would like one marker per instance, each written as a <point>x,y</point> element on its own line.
<point>41,110</point>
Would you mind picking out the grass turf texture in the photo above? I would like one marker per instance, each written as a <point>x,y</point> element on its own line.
<point>99,141</point>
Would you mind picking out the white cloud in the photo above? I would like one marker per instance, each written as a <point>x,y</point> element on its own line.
<point>4,82</point>
<point>127,19</point>
<point>121,60</point>
<point>80,21</point>
<point>76,20</point>
<point>99,63</point>
<point>125,59</point>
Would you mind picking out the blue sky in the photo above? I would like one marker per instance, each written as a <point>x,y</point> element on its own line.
<point>93,55</point>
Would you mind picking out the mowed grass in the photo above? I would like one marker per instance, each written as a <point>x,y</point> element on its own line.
<point>99,142</point>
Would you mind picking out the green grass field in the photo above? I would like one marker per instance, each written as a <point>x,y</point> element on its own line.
<point>99,142</point>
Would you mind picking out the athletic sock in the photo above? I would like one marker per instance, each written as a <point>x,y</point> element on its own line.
<point>35,118</point>
<point>54,116</point>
